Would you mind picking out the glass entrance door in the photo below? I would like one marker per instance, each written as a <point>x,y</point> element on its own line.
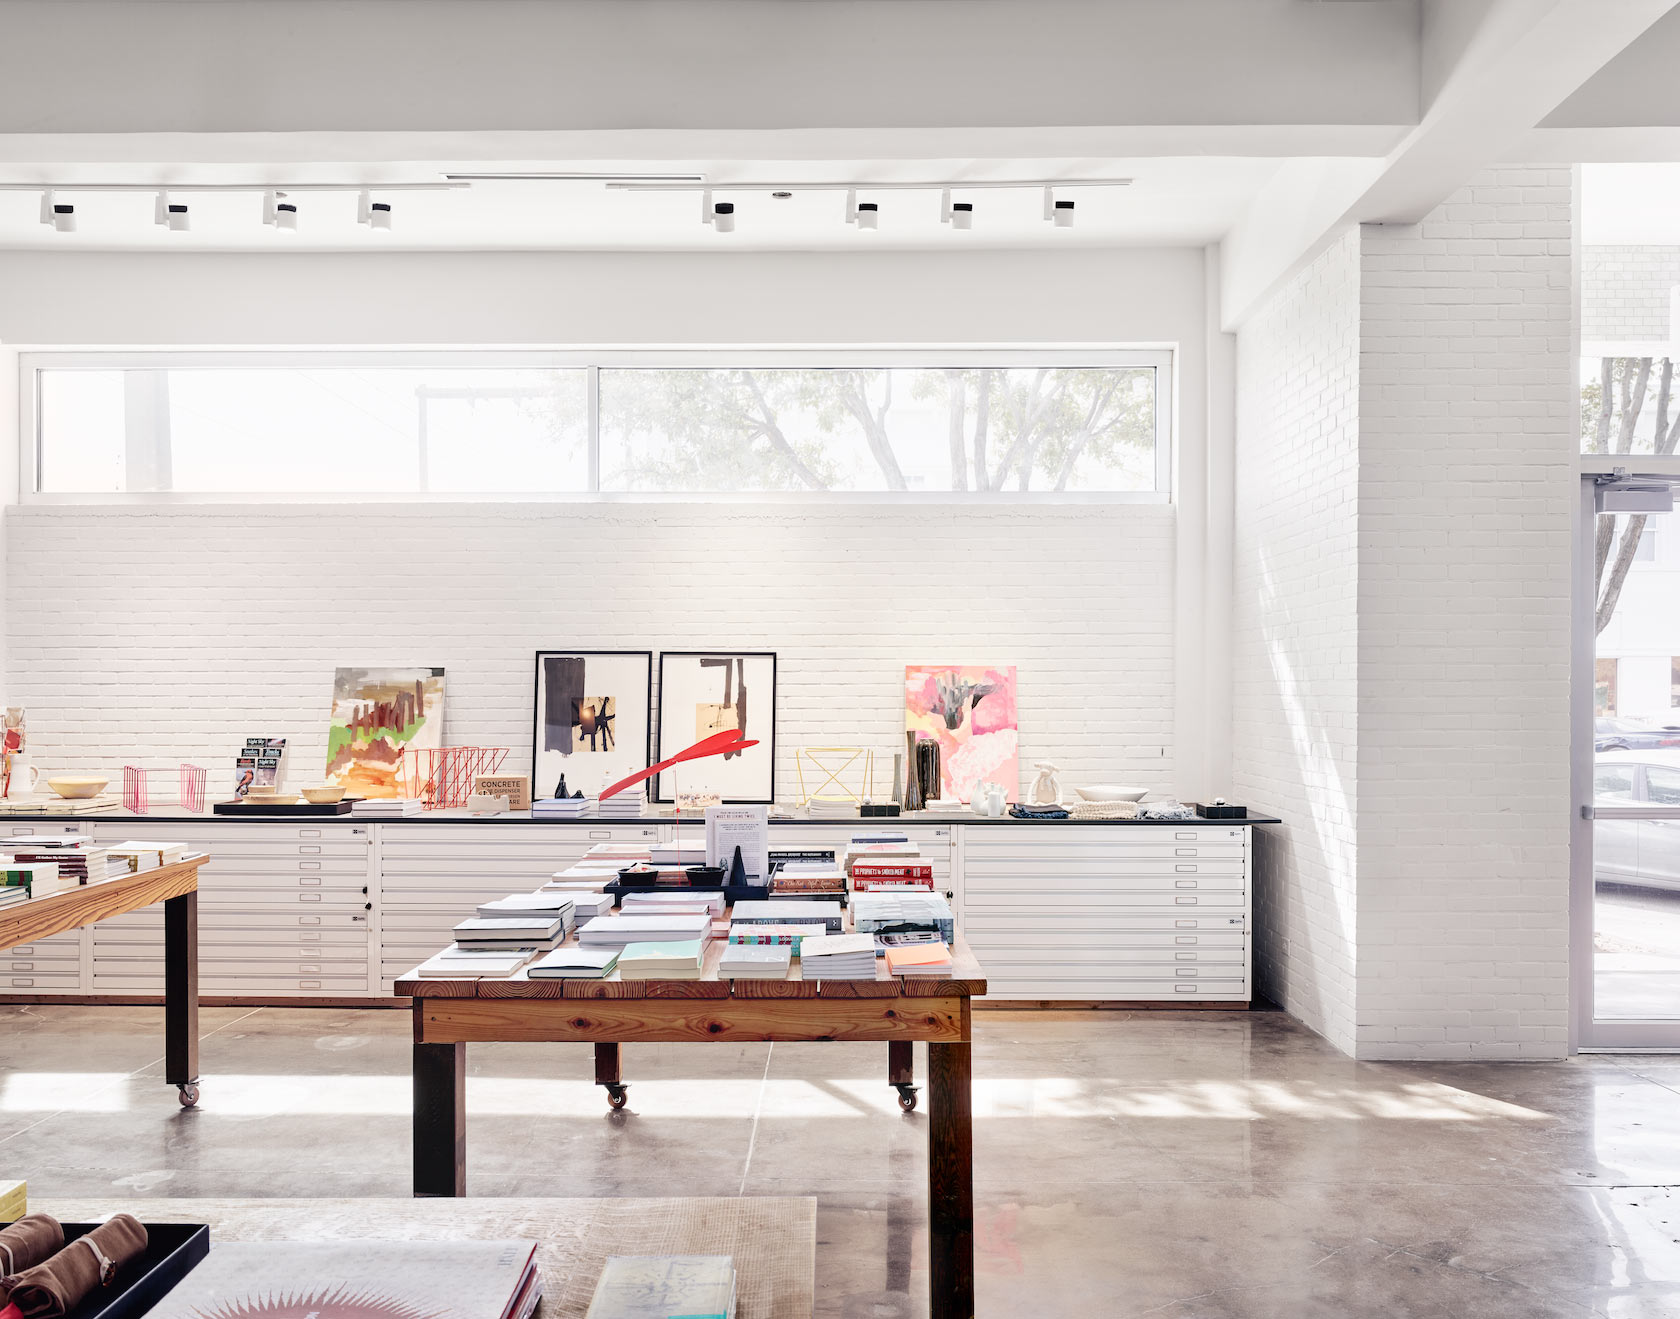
<point>1628,977</point>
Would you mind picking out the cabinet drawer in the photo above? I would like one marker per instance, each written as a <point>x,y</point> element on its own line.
<point>42,982</point>
<point>294,985</point>
<point>256,967</point>
<point>1095,900</point>
<point>1127,963</point>
<point>983,875</point>
<point>485,838</point>
<point>1230,989</point>
<point>1119,943</point>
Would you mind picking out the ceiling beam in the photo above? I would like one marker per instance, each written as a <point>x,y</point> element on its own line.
<point>1496,69</point>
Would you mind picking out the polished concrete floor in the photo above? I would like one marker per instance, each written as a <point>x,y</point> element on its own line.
<point>1198,1166</point>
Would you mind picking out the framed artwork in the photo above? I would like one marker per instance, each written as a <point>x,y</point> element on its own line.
<point>969,710</point>
<point>590,718</point>
<point>376,715</point>
<point>702,692</point>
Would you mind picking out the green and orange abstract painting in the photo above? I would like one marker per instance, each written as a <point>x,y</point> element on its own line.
<point>376,715</point>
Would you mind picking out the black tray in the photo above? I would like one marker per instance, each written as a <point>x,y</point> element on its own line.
<point>248,807</point>
<point>732,893</point>
<point>1221,812</point>
<point>172,1249</point>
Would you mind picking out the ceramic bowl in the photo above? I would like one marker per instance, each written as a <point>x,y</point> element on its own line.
<point>323,795</point>
<point>705,876</point>
<point>1111,792</point>
<point>77,786</point>
<point>638,877</point>
<point>264,790</point>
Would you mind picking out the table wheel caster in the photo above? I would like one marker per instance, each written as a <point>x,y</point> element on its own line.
<point>617,1096</point>
<point>188,1095</point>
<point>907,1098</point>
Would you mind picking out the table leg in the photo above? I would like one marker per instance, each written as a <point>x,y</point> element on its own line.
<point>180,995</point>
<point>440,1116</point>
<point>901,1072</point>
<point>950,1182</point>
<point>609,1072</point>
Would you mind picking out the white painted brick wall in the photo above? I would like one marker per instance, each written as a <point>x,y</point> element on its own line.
<point>1626,292</point>
<point>170,634</point>
<point>1294,633</point>
<point>1467,436</point>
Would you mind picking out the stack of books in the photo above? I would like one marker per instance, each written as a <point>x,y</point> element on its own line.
<point>654,1286</point>
<point>781,911</point>
<point>922,959</point>
<point>532,906</point>
<point>831,808</point>
<point>586,875</point>
<point>33,879</point>
<point>874,913</point>
<point>562,808</point>
<point>763,936</point>
<point>148,856</point>
<point>13,894</point>
<point>691,853</point>
<point>806,878</point>
<point>622,806</point>
<point>838,957</point>
<point>682,959</point>
<point>621,853</point>
<point>651,902</point>
<point>387,808</point>
<point>621,931</point>
<point>586,906</point>
<point>74,854</point>
<point>458,963</point>
<point>573,963</point>
<point>505,932</point>
<point>745,961</point>
<point>871,874</point>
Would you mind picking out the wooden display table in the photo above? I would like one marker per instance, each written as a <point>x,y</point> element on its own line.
<point>176,886</point>
<point>450,1014</point>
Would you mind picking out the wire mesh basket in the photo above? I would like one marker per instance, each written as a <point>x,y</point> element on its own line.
<point>441,778</point>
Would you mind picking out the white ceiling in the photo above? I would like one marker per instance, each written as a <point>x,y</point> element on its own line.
<point>1171,202</point>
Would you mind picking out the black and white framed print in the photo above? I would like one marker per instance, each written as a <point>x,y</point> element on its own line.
<point>591,720</point>
<point>706,692</point>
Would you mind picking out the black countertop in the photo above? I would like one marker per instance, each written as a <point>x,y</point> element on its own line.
<point>9,823</point>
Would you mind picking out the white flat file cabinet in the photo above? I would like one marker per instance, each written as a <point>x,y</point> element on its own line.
<point>337,909</point>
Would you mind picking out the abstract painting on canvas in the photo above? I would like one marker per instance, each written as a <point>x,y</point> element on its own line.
<point>376,714</point>
<point>591,718</point>
<point>969,709</point>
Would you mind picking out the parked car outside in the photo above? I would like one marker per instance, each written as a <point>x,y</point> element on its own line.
<point>1639,852</point>
<point>1633,733</point>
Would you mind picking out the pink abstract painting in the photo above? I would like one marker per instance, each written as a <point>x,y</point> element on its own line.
<point>969,709</point>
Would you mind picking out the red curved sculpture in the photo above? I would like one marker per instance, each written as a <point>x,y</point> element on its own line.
<point>715,745</point>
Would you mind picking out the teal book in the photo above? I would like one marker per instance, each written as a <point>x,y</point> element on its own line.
<point>665,1287</point>
<point>682,960</point>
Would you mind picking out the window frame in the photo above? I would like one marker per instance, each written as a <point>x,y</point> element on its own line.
<point>1161,357</point>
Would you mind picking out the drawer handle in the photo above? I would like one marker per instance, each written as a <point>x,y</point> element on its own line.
<point>309,934</point>
<point>309,984</point>
<point>25,949</point>
<point>316,897</point>
<point>1184,957</point>
<point>309,879</point>
<point>309,920</point>
<point>1187,902</point>
<point>1186,970</point>
<point>1184,925</point>
<point>1185,883</point>
<point>23,966</point>
<point>310,970</point>
<point>309,833</point>
<point>604,833</point>
<point>309,865</point>
<point>22,982</point>
<point>1185,838</point>
<point>1185,851</point>
<point>1186,870</point>
<point>1185,989</point>
<point>309,849</point>
<point>1185,938</point>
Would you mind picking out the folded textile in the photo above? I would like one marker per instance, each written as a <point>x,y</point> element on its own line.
<point>1104,810</point>
<point>27,1242</point>
<point>1166,810</point>
<point>1021,812</point>
<point>60,1284</point>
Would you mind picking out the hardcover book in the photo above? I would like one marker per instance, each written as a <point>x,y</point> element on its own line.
<point>665,1287</point>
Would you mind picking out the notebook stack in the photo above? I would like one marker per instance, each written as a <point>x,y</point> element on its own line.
<point>563,808</point>
<point>621,931</point>
<point>655,1286</point>
<point>831,808</point>
<point>148,856</point>
<point>781,911</point>
<point>682,959</point>
<point>387,808</point>
<point>74,854</point>
<point>12,894</point>
<point>573,963</point>
<point>743,961</point>
<point>33,879</point>
<point>458,963</point>
<point>532,906</point>
<point>922,959</point>
<point>838,957</point>
<point>505,932</point>
<point>622,806</point>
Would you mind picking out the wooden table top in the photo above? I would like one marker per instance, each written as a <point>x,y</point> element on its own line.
<point>97,900</point>
<point>966,980</point>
